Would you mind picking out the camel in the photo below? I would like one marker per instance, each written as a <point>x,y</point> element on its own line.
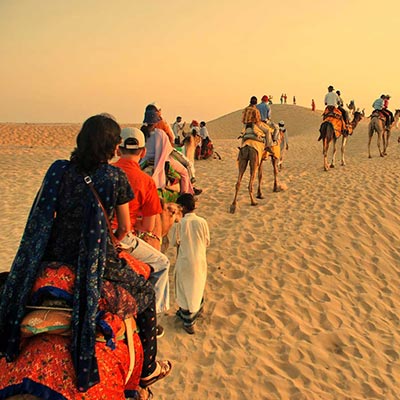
<point>327,135</point>
<point>396,118</point>
<point>377,124</point>
<point>249,155</point>
<point>192,143</point>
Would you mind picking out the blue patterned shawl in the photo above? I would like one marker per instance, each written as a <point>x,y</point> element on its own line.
<point>89,273</point>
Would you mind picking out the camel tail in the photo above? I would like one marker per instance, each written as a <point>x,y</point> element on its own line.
<point>322,130</point>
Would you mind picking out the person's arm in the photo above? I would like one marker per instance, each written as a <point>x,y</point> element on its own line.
<point>148,223</point>
<point>168,131</point>
<point>124,221</point>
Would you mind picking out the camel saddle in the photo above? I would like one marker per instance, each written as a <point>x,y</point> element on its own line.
<point>249,133</point>
<point>379,114</point>
<point>331,111</point>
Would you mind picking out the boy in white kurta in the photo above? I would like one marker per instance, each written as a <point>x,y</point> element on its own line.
<point>192,237</point>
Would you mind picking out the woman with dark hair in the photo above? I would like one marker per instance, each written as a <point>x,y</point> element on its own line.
<point>159,150</point>
<point>66,238</point>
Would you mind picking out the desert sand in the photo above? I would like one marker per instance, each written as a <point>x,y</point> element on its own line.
<point>302,300</point>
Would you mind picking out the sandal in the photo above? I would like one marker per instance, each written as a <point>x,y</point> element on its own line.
<point>165,369</point>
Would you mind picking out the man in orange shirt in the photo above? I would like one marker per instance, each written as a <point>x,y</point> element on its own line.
<point>143,209</point>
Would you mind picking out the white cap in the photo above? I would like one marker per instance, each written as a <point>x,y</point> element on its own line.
<point>157,106</point>
<point>132,138</point>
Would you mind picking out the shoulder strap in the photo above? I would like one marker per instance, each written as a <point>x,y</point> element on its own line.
<point>89,182</point>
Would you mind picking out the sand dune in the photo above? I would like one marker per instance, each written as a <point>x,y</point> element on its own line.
<point>302,300</point>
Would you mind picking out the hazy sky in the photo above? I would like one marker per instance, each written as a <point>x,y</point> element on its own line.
<point>63,61</point>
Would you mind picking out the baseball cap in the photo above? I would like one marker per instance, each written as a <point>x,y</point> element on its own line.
<point>156,105</point>
<point>132,138</point>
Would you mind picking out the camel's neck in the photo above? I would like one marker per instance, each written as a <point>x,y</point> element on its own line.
<point>355,122</point>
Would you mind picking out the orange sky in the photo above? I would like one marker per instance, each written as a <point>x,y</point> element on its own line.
<point>62,61</point>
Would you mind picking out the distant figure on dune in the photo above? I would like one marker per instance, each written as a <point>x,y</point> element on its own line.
<point>294,100</point>
<point>312,105</point>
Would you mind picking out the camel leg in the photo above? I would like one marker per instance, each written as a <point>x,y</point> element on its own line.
<point>380,136</point>
<point>325,148</point>
<point>386,142</point>
<point>253,172</point>
<point>242,168</point>
<point>333,154</point>
<point>369,143</point>
<point>275,168</point>
<point>344,141</point>
<point>260,175</point>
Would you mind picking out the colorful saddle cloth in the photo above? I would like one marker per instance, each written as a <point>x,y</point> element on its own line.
<point>334,116</point>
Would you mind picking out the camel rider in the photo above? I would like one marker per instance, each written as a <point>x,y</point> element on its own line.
<point>255,127</point>
<point>333,109</point>
<point>390,118</point>
<point>265,109</point>
<point>380,105</point>
<point>341,108</point>
<point>331,101</point>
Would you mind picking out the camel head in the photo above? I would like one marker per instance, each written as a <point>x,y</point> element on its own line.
<point>358,116</point>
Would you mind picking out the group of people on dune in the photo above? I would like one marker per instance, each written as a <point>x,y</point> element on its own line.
<point>92,250</point>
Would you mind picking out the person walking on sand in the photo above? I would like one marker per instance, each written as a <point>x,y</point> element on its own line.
<point>191,235</point>
<point>312,105</point>
<point>283,142</point>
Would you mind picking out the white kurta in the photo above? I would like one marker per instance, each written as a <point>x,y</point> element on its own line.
<point>193,237</point>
